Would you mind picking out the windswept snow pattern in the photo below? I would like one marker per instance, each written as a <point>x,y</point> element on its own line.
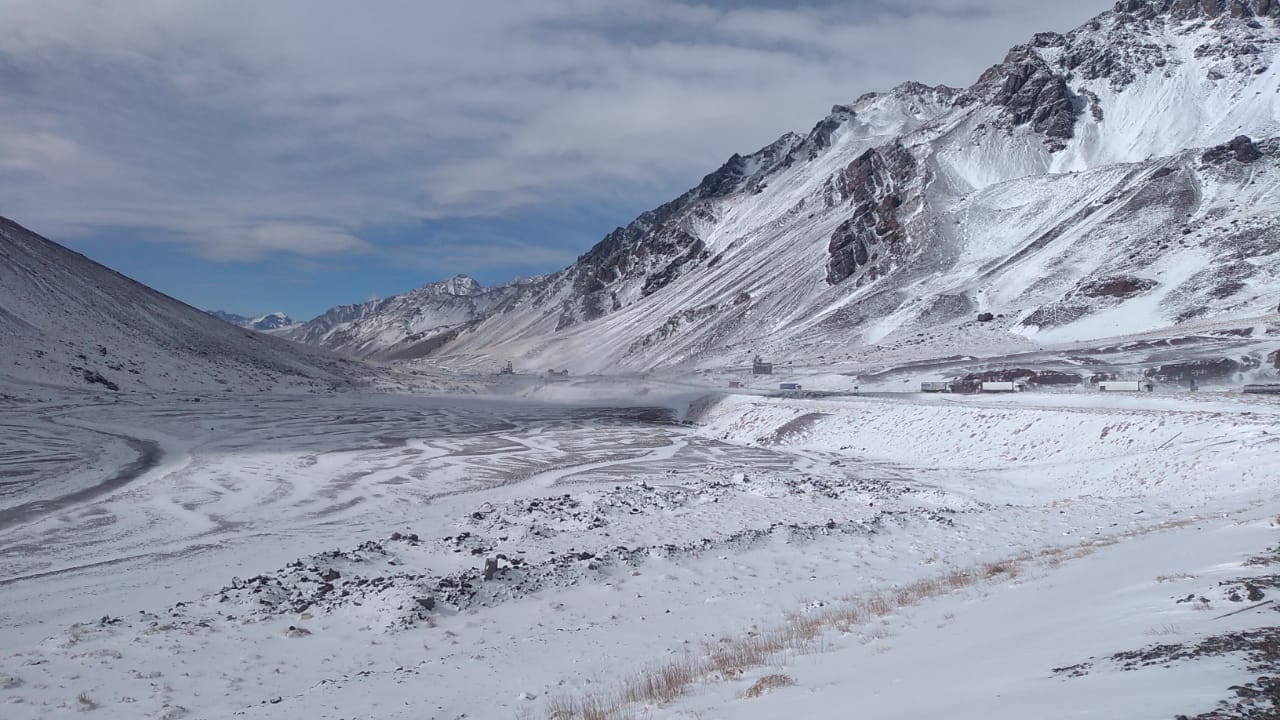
<point>399,556</point>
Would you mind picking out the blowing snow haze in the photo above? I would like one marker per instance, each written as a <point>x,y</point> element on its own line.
<point>674,361</point>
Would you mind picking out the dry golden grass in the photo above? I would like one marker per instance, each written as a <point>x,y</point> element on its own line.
<point>767,683</point>
<point>729,658</point>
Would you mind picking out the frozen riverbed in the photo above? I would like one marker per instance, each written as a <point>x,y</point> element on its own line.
<point>404,556</point>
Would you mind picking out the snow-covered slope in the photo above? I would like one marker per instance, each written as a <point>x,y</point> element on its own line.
<point>1117,179</point>
<point>66,320</point>
<point>409,325</point>
<point>263,323</point>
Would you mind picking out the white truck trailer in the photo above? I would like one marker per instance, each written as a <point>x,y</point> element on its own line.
<point>998,386</point>
<point>1126,386</point>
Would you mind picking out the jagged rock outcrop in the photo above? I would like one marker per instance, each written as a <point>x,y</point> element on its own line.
<point>1241,149</point>
<point>873,185</point>
<point>656,248</point>
<point>1032,93</point>
<point>1183,9</point>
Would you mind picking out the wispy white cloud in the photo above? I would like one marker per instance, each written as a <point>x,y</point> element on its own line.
<point>242,128</point>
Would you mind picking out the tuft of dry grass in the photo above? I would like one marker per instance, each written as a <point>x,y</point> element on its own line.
<point>84,702</point>
<point>768,683</point>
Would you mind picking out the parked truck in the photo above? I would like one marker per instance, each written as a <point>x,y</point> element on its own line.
<point>789,386</point>
<point>1003,386</point>
<point>1126,386</point>
<point>935,387</point>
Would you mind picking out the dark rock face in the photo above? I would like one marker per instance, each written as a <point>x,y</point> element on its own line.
<point>1184,9</point>
<point>972,381</point>
<point>1033,94</point>
<point>820,137</point>
<point>657,247</point>
<point>93,377</point>
<point>1219,369</point>
<point>872,184</point>
<point>1241,149</point>
<point>1116,287</point>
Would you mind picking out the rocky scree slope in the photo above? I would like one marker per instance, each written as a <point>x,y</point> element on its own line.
<point>68,321</point>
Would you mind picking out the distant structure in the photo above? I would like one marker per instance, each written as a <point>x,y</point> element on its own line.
<point>507,369</point>
<point>989,386</point>
<point>1126,386</point>
<point>760,367</point>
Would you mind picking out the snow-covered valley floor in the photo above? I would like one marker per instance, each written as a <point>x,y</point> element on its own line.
<point>401,556</point>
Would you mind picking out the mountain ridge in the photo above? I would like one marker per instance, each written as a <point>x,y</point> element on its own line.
<point>263,323</point>
<point>891,213</point>
<point>68,321</point>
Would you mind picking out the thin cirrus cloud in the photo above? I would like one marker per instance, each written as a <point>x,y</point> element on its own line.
<point>239,129</point>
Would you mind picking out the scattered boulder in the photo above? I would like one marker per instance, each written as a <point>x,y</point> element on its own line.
<point>1122,287</point>
<point>93,377</point>
<point>1242,149</point>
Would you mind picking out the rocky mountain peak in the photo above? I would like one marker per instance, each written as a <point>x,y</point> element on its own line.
<point>1189,9</point>
<point>460,285</point>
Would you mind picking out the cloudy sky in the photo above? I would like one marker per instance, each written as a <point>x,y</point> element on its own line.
<point>255,155</point>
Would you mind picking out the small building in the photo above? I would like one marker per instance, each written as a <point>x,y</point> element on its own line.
<point>935,387</point>
<point>759,367</point>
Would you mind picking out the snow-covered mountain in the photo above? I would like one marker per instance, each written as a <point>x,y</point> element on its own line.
<point>262,323</point>
<point>1117,179</point>
<point>410,325</point>
<point>68,321</point>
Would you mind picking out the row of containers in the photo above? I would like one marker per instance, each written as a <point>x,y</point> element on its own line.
<point>1103,386</point>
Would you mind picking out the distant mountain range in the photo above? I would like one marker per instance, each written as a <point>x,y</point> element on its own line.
<point>262,323</point>
<point>1117,179</point>
<point>411,325</point>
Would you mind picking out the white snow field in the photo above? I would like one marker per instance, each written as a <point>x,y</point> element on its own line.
<point>377,555</point>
